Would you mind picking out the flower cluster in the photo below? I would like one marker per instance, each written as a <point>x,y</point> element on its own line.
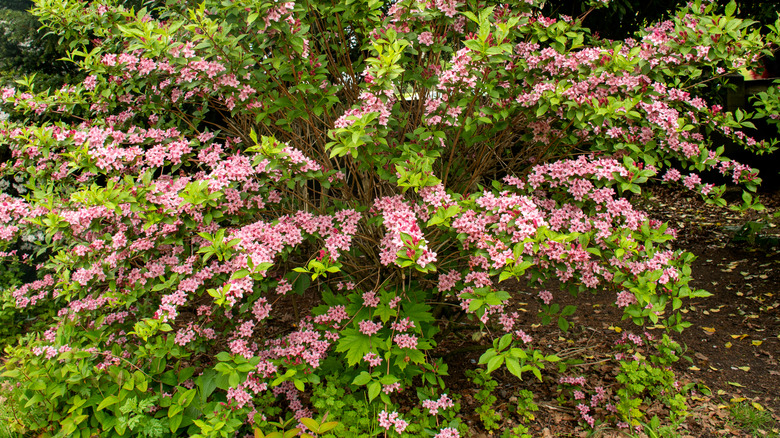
<point>392,419</point>
<point>433,406</point>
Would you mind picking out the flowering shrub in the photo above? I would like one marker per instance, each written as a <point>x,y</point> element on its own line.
<point>391,161</point>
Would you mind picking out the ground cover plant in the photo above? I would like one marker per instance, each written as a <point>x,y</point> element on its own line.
<point>260,217</point>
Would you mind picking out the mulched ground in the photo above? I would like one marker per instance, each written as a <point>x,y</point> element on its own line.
<point>733,344</point>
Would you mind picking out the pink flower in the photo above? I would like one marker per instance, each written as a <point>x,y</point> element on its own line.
<point>387,389</point>
<point>572,380</point>
<point>527,339</point>
<point>372,359</point>
<point>406,341</point>
<point>392,419</point>
<point>368,328</point>
<point>109,59</point>
<point>239,396</point>
<point>672,175</point>
<point>691,181</point>
<point>402,325</point>
<point>546,296</point>
<point>283,287</point>
<point>448,432</point>
<point>625,299</point>
<point>90,82</point>
<point>447,281</point>
<point>433,406</point>
<point>370,299</point>
<point>425,38</point>
<point>394,302</point>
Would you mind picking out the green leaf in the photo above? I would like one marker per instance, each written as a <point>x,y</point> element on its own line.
<point>505,341</point>
<point>108,401</point>
<point>355,344</point>
<point>494,363</point>
<point>207,383</point>
<point>374,388</point>
<point>223,356</point>
<point>324,427</point>
<point>311,424</point>
<point>362,378</point>
<point>486,356</point>
<point>175,422</point>
<point>141,383</point>
<point>241,273</point>
<point>173,410</point>
<point>475,304</point>
<point>233,379</point>
<point>292,432</point>
<point>563,324</point>
<point>418,312</point>
<point>187,397</point>
<point>513,365</point>
<point>12,373</point>
<point>731,8</point>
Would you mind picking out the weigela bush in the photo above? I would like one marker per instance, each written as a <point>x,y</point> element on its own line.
<point>395,162</point>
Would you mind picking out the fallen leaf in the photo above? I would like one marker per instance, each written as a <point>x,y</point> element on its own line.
<point>757,406</point>
<point>745,369</point>
<point>616,329</point>
<point>736,384</point>
<point>737,399</point>
<point>709,329</point>
<point>756,343</point>
<point>694,368</point>
<point>728,344</point>
<point>739,336</point>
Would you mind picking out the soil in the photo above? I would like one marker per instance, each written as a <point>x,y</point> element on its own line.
<point>732,346</point>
